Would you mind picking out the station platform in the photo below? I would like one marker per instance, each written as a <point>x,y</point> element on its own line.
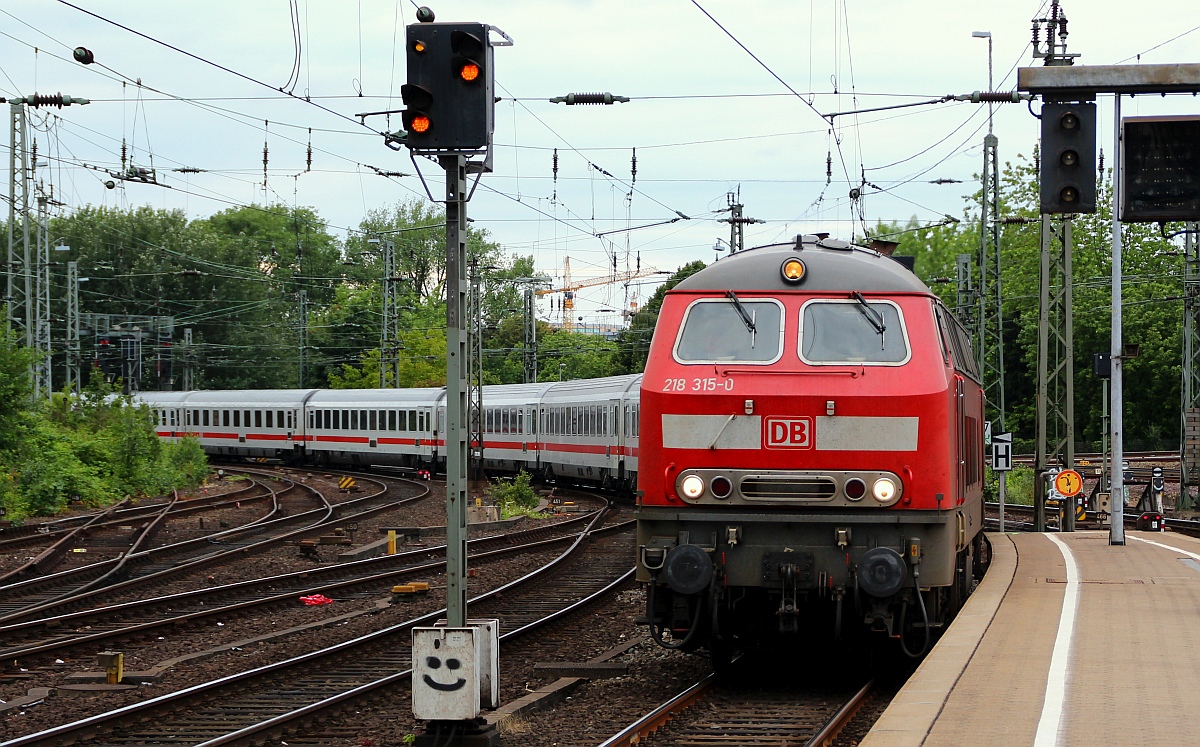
<point>1067,641</point>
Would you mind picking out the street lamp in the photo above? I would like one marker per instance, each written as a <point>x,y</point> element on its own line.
<point>987,35</point>
<point>561,367</point>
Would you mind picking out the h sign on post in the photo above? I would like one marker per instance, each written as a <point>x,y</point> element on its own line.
<point>1001,452</point>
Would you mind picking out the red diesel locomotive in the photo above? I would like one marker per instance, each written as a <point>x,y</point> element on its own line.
<point>811,453</point>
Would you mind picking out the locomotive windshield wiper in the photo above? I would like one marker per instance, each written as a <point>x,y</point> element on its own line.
<point>747,318</point>
<point>874,317</point>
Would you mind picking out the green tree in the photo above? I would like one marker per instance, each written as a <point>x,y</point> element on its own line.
<point>634,342</point>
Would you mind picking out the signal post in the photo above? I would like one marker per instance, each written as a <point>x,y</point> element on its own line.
<point>448,116</point>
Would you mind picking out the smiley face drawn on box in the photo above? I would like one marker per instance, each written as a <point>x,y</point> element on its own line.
<point>445,673</point>
<point>436,664</point>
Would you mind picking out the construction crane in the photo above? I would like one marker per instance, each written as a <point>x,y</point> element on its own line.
<point>568,288</point>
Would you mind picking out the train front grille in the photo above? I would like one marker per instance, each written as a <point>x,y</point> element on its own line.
<point>785,488</point>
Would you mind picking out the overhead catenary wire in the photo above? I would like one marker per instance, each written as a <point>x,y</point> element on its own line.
<point>219,66</point>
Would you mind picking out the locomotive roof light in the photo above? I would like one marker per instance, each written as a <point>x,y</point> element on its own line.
<point>884,490</point>
<point>692,486</point>
<point>793,270</point>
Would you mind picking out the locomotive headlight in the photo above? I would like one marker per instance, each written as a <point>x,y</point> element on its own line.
<point>692,486</point>
<point>884,489</point>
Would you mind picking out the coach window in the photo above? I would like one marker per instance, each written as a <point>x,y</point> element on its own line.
<point>371,420</point>
<point>856,331</point>
<point>246,418</point>
<point>271,419</point>
<point>722,329</point>
<point>258,419</point>
<point>204,416</point>
<point>237,418</point>
<point>225,418</point>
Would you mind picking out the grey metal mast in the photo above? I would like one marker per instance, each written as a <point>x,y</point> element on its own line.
<point>1189,457</point>
<point>389,344</point>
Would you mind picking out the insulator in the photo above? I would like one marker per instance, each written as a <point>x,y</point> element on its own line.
<point>308,161</point>
<point>123,152</point>
<point>555,165</point>
<point>49,99</point>
<point>633,167</point>
<point>828,167</point>
<point>571,99</point>
<point>996,97</point>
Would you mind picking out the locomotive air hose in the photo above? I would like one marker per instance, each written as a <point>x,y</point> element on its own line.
<point>656,633</point>
<point>924,619</point>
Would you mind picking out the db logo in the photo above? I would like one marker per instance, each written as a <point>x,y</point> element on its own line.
<point>789,433</point>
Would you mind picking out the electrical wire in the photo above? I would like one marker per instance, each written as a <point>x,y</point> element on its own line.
<point>223,68</point>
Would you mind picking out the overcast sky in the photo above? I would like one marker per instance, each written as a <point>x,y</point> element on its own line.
<point>696,139</point>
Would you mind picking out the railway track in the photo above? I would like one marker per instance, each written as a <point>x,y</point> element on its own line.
<point>720,713</point>
<point>103,626</point>
<point>280,699</point>
<point>80,526</point>
<point>294,517</point>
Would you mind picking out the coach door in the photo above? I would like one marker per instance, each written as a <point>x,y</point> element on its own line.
<point>960,418</point>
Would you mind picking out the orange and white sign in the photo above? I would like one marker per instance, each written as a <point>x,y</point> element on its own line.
<point>1068,483</point>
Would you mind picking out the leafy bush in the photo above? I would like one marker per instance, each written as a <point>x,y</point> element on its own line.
<point>96,448</point>
<point>513,496</point>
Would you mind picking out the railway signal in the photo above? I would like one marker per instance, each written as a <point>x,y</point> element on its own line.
<point>1068,173</point>
<point>449,94</point>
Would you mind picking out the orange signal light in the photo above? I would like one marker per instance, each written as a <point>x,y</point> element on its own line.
<point>469,72</point>
<point>419,46</point>
<point>420,123</point>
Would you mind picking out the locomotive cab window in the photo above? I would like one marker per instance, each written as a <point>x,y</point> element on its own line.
<point>745,330</point>
<point>837,332</point>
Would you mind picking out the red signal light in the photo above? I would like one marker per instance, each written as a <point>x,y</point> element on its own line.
<point>420,123</point>
<point>469,72</point>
